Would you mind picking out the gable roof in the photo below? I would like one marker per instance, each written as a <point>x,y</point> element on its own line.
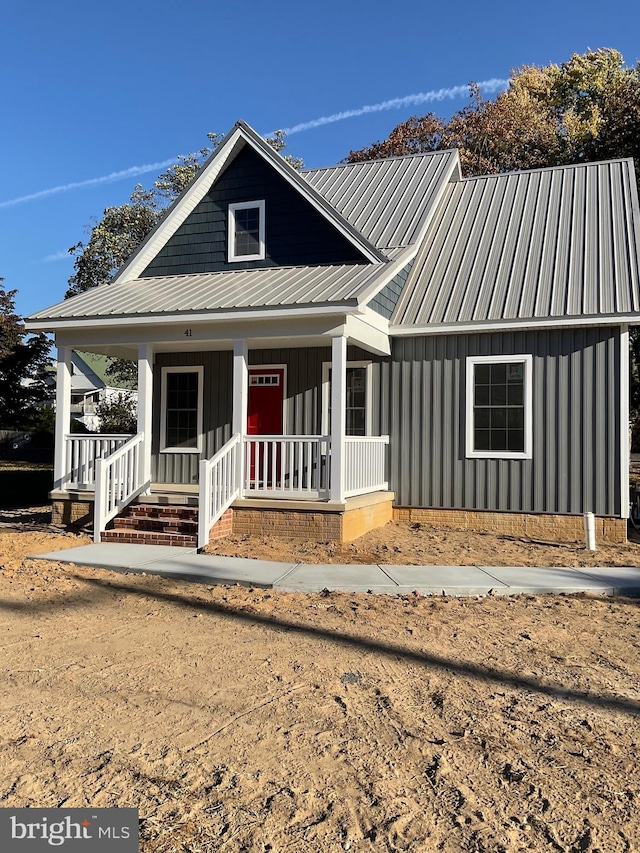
<point>546,244</point>
<point>555,245</point>
<point>387,201</point>
<point>240,135</point>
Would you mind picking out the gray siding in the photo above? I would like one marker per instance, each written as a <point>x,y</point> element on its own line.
<point>295,233</point>
<point>385,301</point>
<point>419,400</point>
<point>576,424</point>
<point>303,400</point>
<point>217,412</point>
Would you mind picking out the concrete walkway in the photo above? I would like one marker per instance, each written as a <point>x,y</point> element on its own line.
<point>187,564</point>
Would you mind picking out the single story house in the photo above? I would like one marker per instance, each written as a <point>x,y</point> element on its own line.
<point>321,351</point>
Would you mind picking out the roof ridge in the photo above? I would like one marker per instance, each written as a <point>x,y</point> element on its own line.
<point>379,160</point>
<point>547,168</point>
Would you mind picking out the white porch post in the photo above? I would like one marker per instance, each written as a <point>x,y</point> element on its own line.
<point>240,401</point>
<point>338,415</point>
<point>145,407</point>
<point>63,417</point>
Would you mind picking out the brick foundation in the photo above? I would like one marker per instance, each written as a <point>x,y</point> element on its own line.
<point>222,527</point>
<point>336,525</point>
<point>345,525</point>
<point>554,528</point>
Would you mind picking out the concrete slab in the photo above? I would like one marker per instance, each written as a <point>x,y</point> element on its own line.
<point>206,568</point>
<point>438,580</point>
<point>522,579</point>
<point>315,578</point>
<point>114,555</point>
<point>625,580</point>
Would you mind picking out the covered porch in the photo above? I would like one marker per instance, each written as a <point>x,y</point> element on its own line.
<point>325,454</point>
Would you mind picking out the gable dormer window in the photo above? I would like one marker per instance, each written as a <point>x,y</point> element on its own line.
<point>246,231</point>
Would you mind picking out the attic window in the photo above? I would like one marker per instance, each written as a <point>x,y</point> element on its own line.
<point>246,231</point>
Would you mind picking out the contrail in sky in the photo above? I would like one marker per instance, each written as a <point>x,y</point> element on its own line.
<point>434,95</point>
<point>492,85</point>
<point>132,172</point>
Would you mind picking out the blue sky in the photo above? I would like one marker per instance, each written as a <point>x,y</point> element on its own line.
<point>89,90</point>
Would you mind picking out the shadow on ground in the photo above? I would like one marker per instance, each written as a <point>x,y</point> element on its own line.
<point>100,588</point>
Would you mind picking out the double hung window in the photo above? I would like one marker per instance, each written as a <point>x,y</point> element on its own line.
<point>357,405</point>
<point>246,231</point>
<point>499,416</point>
<point>181,425</point>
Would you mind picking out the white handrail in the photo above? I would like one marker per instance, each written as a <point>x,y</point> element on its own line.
<point>287,466</point>
<point>219,486</point>
<point>365,457</point>
<point>118,482</point>
<point>81,452</point>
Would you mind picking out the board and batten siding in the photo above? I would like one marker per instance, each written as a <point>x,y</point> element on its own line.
<point>217,409</point>
<point>302,405</point>
<point>576,462</point>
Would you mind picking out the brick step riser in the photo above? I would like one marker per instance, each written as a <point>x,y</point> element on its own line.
<point>140,512</point>
<point>143,537</point>
<point>188,527</point>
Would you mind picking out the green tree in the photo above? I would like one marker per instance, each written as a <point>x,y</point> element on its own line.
<point>582,110</point>
<point>23,367</point>
<point>117,414</point>
<point>585,109</point>
<point>114,237</point>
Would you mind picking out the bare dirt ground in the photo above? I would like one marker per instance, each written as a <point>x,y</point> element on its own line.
<point>247,720</point>
<point>415,544</point>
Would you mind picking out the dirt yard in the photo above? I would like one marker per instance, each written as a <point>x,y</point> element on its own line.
<point>414,544</point>
<point>247,720</point>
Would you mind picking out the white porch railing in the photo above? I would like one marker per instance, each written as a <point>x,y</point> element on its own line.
<point>81,453</point>
<point>219,486</point>
<point>365,464</point>
<point>118,481</point>
<point>287,466</point>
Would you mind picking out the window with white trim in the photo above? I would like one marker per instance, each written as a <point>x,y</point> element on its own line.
<point>498,407</point>
<point>358,402</point>
<point>246,231</point>
<point>181,410</point>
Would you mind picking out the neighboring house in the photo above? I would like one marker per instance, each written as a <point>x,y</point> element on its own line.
<point>90,385</point>
<point>322,351</point>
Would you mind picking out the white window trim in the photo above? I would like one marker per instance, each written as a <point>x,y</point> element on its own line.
<point>243,205</point>
<point>471,362</point>
<point>199,369</point>
<point>326,392</point>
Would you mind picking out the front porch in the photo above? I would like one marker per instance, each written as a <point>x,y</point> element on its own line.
<point>290,476</point>
<point>286,489</point>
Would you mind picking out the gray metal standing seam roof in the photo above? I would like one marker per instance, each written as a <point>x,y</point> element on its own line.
<point>387,201</point>
<point>546,243</point>
<point>219,291</point>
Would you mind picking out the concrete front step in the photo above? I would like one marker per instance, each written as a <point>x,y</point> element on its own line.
<point>149,537</point>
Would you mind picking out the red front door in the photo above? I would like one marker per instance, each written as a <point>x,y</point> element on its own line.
<point>264,417</point>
